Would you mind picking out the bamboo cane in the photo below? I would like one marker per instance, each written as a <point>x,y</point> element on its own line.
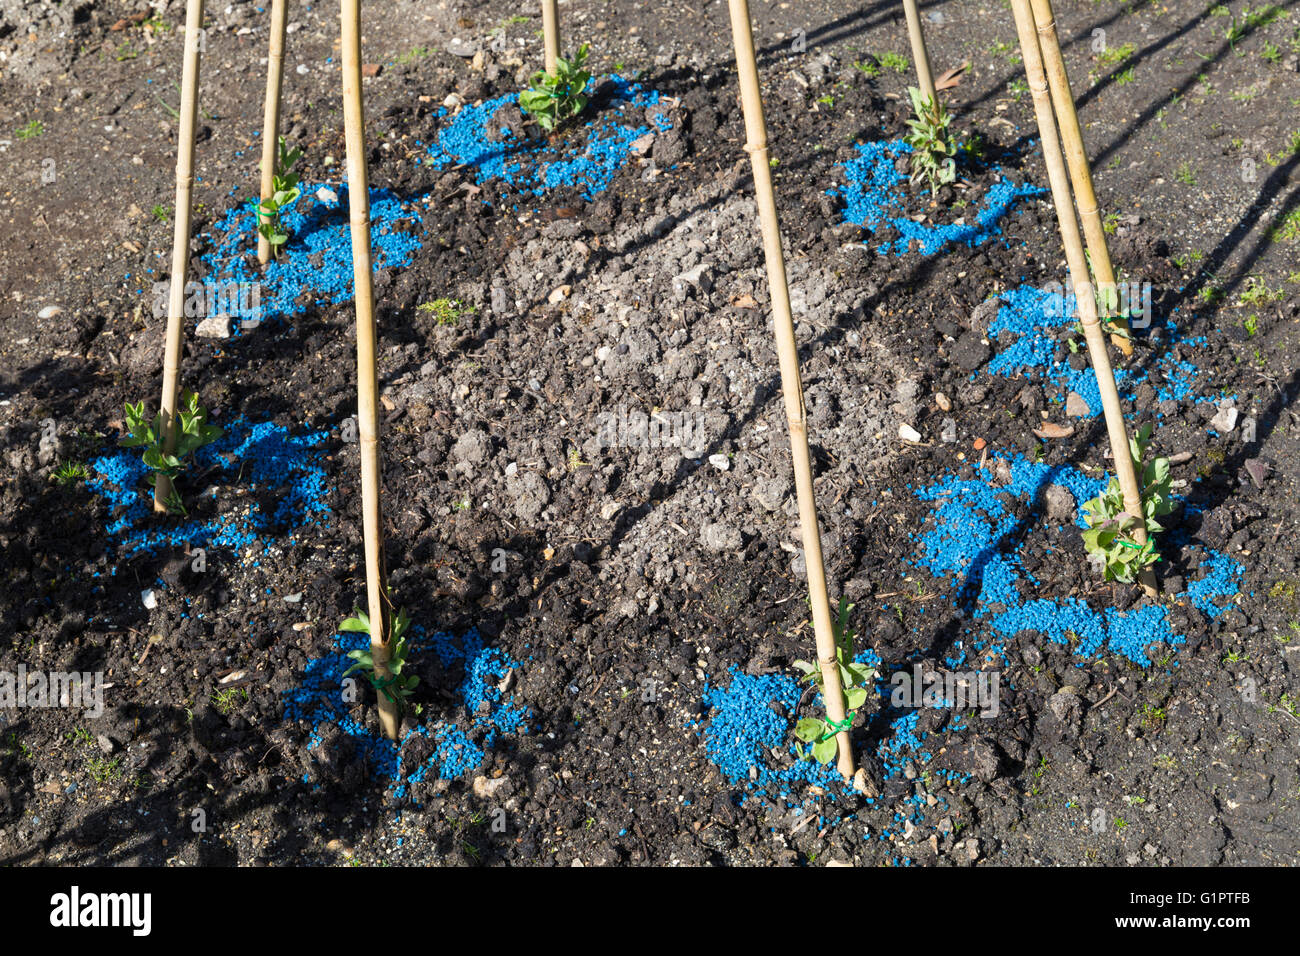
<point>1076,156</point>
<point>1077,265</point>
<point>367,379</point>
<point>175,341</point>
<point>551,32</point>
<point>756,145</point>
<point>271,114</point>
<point>925,79</point>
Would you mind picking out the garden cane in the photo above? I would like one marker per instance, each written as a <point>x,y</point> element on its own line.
<point>1079,280</point>
<point>551,33</point>
<point>756,145</point>
<point>924,78</point>
<point>367,377</point>
<point>271,114</point>
<point>1058,82</point>
<point>175,341</point>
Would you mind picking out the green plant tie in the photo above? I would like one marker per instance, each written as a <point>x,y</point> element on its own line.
<point>383,685</point>
<point>837,726</point>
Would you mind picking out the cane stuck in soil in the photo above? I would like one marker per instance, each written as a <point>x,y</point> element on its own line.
<point>271,117</point>
<point>1080,173</point>
<point>381,644</point>
<point>175,341</point>
<point>791,382</point>
<point>1079,278</point>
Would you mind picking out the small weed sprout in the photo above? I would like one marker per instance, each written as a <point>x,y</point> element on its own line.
<point>894,61</point>
<point>1287,229</point>
<point>933,148</point>
<point>854,678</point>
<point>102,769</point>
<point>553,99</point>
<point>395,687</point>
<point>69,473</point>
<point>227,699</point>
<point>1110,527</point>
<point>1116,54</point>
<point>284,192</point>
<point>446,311</point>
<point>192,433</point>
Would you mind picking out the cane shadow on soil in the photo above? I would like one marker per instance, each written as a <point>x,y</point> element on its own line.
<point>627,520</point>
<point>1252,219</point>
<point>1150,110</point>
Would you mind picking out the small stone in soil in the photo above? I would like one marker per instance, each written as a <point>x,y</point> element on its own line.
<point>1076,406</point>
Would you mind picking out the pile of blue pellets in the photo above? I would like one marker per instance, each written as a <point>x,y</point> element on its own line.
<point>319,700</point>
<point>875,198</point>
<point>258,457</point>
<point>315,266</point>
<point>1027,331</point>
<point>536,166</point>
<point>972,543</point>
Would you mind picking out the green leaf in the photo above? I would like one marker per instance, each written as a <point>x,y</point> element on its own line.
<point>401,622</point>
<point>809,729</point>
<point>824,750</point>
<point>856,697</point>
<point>846,678</point>
<point>359,621</point>
<point>861,673</point>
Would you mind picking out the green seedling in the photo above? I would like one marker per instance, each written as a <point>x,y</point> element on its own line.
<point>31,130</point>
<point>1286,229</point>
<point>1116,54</point>
<point>1110,527</point>
<point>228,699</point>
<point>192,433</point>
<point>102,769</point>
<point>1257,292</point>
<point>446,311</point>
<point>819,732</point>
<point>933,148</point>
<point>395,686</point>
<point>894,61</point>
<point>553,99</point>
<point>70,472</point>
<point>284,191</point>
<point>413,54</point>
